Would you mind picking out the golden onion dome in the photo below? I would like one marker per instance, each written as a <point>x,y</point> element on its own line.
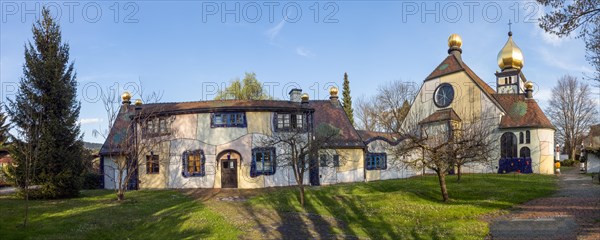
<point>510,56</point>
<point>138,102</point>
<point>305,97</point>
<point>333,91</point>
<point>529,85</point>
<point>126,96</point>
<point>454,41</point>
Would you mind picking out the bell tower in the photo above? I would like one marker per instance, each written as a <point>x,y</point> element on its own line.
<point>510,61</point>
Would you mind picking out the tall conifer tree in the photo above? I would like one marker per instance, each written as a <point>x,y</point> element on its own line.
<point>347,101</point>
<point>45,113</point>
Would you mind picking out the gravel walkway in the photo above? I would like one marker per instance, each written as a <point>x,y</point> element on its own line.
<point>573,212</point>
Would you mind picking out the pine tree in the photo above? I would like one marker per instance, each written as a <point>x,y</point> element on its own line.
<point>4,127</point>
<point>45,112</point>
<point>347,101</point>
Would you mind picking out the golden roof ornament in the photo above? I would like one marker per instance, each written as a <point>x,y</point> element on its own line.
<point>454,41</point>
<point>510,56</point>
<point>529,85</point>
<point>126,96</point>
<point>333,91</point>
<point>138,102</point>
<point>305,97</point>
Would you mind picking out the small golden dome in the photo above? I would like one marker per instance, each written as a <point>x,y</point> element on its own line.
<point>529,85</point>
<point>333,91</point>
<point>454,40</point>
<point>126,97</point>
<point>138,102</point>
<point>510,56</point>
<point>305,97</point>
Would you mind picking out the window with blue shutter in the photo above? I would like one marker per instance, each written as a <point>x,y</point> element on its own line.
<point>235,119</point>
<point>263,162</point>
<point>376,161</point>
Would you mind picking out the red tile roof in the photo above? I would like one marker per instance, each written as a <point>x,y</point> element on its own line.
<point>521,112</point>
<point>325,112</point>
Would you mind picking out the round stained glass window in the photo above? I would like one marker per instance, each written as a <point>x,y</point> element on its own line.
<point>444,95</point>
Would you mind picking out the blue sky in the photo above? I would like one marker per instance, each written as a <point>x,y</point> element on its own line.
<point>184,48</point>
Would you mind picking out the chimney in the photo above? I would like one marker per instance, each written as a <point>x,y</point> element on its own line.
<point>296,95</point>
<point>333,96</point>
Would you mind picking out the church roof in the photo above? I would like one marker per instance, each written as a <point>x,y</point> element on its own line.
<point>451,65</point>
<point>441,115</point>
<point>521,112</point>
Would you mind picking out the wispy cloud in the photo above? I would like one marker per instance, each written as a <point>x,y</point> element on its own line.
<point>563,61</point>
<point>273,32</point>
<point>304,52</point>
<point>84,121</point>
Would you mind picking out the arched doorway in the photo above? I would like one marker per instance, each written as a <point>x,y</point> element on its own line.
<point>508,145</point>
<point>228,161</point>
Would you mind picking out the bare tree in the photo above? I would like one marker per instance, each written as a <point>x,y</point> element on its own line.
<point>442,145</point>
<point>133,131</point>
<point>474,142</point>
<point>569,16</point>
<point>300,146</point>
<point>386,110</point>
<point>572,110</point>
<point>366,114</point>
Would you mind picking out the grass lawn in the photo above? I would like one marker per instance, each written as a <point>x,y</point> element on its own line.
<point>161,214</point>
<point>411,208</point>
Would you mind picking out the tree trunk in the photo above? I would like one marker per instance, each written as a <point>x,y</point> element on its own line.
<point>120,195</point>
<point>458,172</point>
<point>442,179</point>
<point>301,195</point>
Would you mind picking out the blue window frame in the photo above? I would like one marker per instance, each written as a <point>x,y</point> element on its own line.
<point>290,121</point>
<point>376,161</point>
<point>263,162</point>
<point>237,119</point>
<point>194,163</point>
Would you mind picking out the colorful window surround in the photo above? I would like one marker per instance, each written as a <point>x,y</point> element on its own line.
<point>233,119</point>
<point>194,163</point>
<point>326,163</point>
<point>290,121</point>
<point>376,161</point>
<point>152,165</point>
<point>263,162</point>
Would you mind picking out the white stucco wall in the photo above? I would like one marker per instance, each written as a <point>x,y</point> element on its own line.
<point>593,163</point>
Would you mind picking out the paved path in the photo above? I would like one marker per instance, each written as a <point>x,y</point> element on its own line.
<point>573,212</point>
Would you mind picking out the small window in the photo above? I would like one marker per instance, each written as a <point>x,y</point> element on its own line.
<point>156,126</point>
<point>152,166</point>
<point>324,158</point>
<point>263,162</point>
<point>521,138</point>
<point>290,121</point>
<point>527,137</point>
<point>228,120</point>
<point>194,163</point>
<point>376,161</point>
